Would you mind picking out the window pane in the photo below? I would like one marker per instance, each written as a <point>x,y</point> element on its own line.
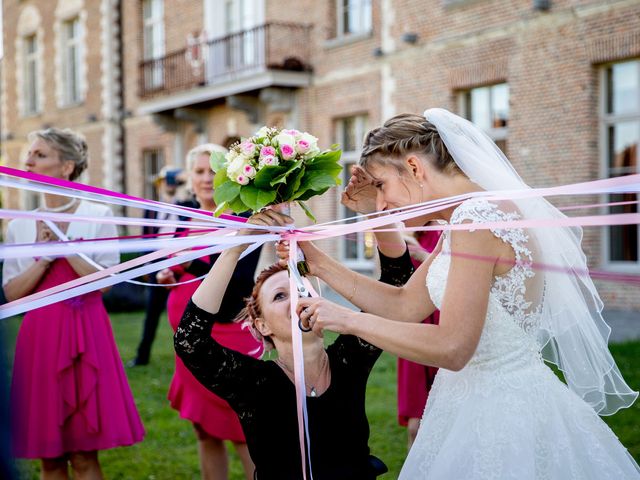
<point>349,134</point>
<point>623,87</point>
<point>624,138</point>
<point>480,108</point>
<point>623,239</point>
<point>31,45</point>
<point>500,105</point>
<point>147,9</point>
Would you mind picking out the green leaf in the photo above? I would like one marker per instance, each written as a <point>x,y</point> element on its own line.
<point>326,158</point>
<point>217,161</point>
<point>267,174</point>
<point>220,208</point>
<point>220,177</point>
<point>227,192</point>
<point>307,210</point>
<point>282,178</point>
<point>255,198</point>
<point>238,206</point>
<point>293,185</point>
<point>311,193</point>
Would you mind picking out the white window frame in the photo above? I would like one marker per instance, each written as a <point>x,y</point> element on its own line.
<point>464,106</point>
<point>350,157</point>
<point>364,11</point>
<point>72,62</point>
<point>606,120</point>
<point>153,36</point>
<point>31,96</point>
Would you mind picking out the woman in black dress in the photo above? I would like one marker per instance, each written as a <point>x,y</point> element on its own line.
<point>262,392</point>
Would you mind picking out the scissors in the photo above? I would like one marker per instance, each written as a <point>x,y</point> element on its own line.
<point>296,270</point>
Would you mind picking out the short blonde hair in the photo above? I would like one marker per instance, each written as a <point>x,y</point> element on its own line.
<point>204,149</point>
<point>70,146</point>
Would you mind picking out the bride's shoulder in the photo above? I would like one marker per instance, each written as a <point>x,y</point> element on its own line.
<point>483,210</point>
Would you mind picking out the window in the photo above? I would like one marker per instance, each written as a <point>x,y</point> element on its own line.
<point>71,58</point>
<point>353,17</point>
<point>153,41</point>
<point>152,160</point>
<point>488,108</point>
<point>31,82</point>
<point>620,127</point>
<point>358,250</point>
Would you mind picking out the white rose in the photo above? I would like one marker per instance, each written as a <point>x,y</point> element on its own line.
<point>263,132</point>
<point>286,139</point>
<point>312,141</point>
<point>237,165</point>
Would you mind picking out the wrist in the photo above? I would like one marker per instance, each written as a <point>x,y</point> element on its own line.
<point>43,261</point>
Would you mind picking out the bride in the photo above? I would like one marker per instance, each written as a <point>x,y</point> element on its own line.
<point>496,410</point>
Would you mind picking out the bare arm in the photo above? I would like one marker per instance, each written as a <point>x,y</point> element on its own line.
<point>23,284</point>
<point>377,298</point>
<point>450,344</point>
<point>211,291</point>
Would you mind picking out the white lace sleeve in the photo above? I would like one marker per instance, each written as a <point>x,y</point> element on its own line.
<point>518,290</point>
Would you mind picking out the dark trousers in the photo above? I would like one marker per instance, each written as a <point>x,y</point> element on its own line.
<point>156,304</point>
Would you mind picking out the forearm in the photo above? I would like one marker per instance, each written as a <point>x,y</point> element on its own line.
<point>365,293</point>
<point>211,291</point>
<point>421,343</point>
<point>80,265</point>
<point>390,243</point>
<point>23,284</point>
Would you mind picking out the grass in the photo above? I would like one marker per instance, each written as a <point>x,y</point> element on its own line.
<point>169,449</point>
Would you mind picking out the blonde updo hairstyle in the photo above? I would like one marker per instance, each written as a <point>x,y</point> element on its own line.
<point>70,146</point>
<point>402,135</point>
<point>252,310</point>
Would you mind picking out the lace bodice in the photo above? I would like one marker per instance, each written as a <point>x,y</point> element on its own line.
<point>513,314</point>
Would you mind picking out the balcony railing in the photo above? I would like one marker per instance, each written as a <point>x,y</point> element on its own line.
<point>273,46</point>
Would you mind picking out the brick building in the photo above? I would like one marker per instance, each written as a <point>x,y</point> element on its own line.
<point>555,82</point>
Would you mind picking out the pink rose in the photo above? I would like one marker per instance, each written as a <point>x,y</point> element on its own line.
<point>247,148</point>
<point>302,146</point>
<point>269,160</point>
<point>242,180</point>
<point>267,151</point>
<point>249,171</point>
<point>292,132</point>
<point>287,152</point>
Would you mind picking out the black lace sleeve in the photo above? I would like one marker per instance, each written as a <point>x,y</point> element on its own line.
<point>396,271</point>
<point>227,373</point>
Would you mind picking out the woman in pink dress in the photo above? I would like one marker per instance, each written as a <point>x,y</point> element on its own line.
<point>415,380</point>
<point>69,393</point>
<point>213,419</point>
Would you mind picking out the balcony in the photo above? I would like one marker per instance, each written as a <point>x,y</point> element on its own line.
<point>274,54</point>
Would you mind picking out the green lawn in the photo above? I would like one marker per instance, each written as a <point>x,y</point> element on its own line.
<point>169,449</point>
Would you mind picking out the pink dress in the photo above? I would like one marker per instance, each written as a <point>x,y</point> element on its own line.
<point>193,401</point>
<point>415,380</point>
<point>69,392</point>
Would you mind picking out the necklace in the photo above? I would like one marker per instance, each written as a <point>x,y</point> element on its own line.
<point>61,208</point>
<point>311,388</point>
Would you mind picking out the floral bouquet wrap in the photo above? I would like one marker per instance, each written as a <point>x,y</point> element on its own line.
<point>272,167</point>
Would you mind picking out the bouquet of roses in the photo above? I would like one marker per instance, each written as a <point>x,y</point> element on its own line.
<point>271,167</point>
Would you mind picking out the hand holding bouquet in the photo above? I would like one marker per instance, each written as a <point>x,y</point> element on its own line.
<point>271,167</point>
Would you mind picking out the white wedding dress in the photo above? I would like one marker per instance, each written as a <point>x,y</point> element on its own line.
<point>506,415</point>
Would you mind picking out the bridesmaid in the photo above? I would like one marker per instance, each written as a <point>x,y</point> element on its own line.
<point>213,419</point>
<point>69,393</point>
